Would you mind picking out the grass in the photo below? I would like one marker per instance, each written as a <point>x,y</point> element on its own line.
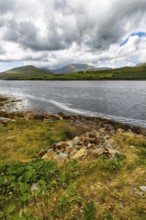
<point>24,138</point>
<point>100,188</point>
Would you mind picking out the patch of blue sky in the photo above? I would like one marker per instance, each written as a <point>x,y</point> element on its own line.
<point>9,65</point>
<point>139,34</point>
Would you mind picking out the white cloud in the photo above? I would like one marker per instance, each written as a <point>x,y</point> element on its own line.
<point>57,32</point>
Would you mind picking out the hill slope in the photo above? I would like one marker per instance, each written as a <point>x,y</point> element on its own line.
<point>25,72</point>
<point>31,73</point>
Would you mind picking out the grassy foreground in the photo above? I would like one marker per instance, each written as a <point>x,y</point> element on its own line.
<point>101,188</point>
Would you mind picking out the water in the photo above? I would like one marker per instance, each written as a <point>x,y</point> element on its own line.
<point>120,100</point>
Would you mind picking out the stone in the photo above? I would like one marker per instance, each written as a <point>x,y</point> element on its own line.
<point>35,187</point>
<point>78,147</point>
<point>112,152</point>
<point>120,130</point>
<point>60,145</point>
<point>29,115</point>
<point>89,145</point>
<point>41,153</point>
<point>143,188</point>
<point>93,140</point>
<point>73,152</point>
<point>97,152</point>
<point>4,120</point>
<point>102,130</point>
<point>110,128</point>
<point>110,141</point>
<point>49,155</point>
<point>69,144</point>
<point>61,156</point>
<point>76,141</point>
<point>80,153</point>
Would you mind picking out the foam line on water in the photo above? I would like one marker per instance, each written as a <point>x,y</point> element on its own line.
<point>65,107</point>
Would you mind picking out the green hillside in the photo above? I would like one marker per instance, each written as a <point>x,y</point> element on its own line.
<point>33,73</point>
<point>25,72</point>
<point>121,73</point>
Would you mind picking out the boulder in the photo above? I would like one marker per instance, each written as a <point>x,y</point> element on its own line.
<point>143,188</point>
<point>61,156</point>
<point>80,153</point>
<point>35,187</point>
<point>73,152</point>
<point>41,153</point>
<point>76,141</point>
<point>49,155</point>
<point>113,153</point>
<point>69,144</point>
<point>4,120</point>
<point>97,152</point>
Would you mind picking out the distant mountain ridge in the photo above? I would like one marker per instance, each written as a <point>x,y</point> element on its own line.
<point>72,68</point>
<point>80,72</point>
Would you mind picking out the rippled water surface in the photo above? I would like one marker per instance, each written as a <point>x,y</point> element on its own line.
<point>121,100</point>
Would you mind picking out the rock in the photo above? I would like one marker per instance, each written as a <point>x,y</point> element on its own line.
<point>78,147</point>
<point>61,156</point>
<point>35,187</point>
<point>4,120</point>
<point>93,140</point>
<point>76,141</point>
<point>82,138</point>
<point>49,155</point>
<point>60,145</point>
<point>97,152</point>
<point>69,144</point>
<point>89,145</point>
<point>102,130</point>
<point>41,153</point>
<point>82,152</point>
<point>110,142</point>
<point>120,130</point>
<point>110,128</point>
<point>112,152</point>
<point>28,116</point>
<point>143,188</point>
<point>73,152</point>
<point>58,117</point>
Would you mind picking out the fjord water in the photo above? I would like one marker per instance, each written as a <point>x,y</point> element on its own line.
<point>120,100</point>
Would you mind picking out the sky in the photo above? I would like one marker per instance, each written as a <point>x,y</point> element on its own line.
<point>54,33</point>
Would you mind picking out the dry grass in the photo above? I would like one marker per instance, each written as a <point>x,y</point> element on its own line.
<point>115,193</point>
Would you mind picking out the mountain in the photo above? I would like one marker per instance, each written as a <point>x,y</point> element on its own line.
<point>141,64</point>
<point>72,68</point>
<point>25,72</point>
<point>33,73</point>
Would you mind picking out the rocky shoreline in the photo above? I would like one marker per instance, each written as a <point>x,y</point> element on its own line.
<point>61,166</point>
<point>5,115</point>
<point>96,137</point>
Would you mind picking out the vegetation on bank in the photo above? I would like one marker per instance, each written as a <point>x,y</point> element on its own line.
<point>99,188</point>
<point>33,73</point>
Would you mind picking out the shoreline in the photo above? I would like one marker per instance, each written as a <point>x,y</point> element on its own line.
<point>6,102</point>
<point>67,79</point>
